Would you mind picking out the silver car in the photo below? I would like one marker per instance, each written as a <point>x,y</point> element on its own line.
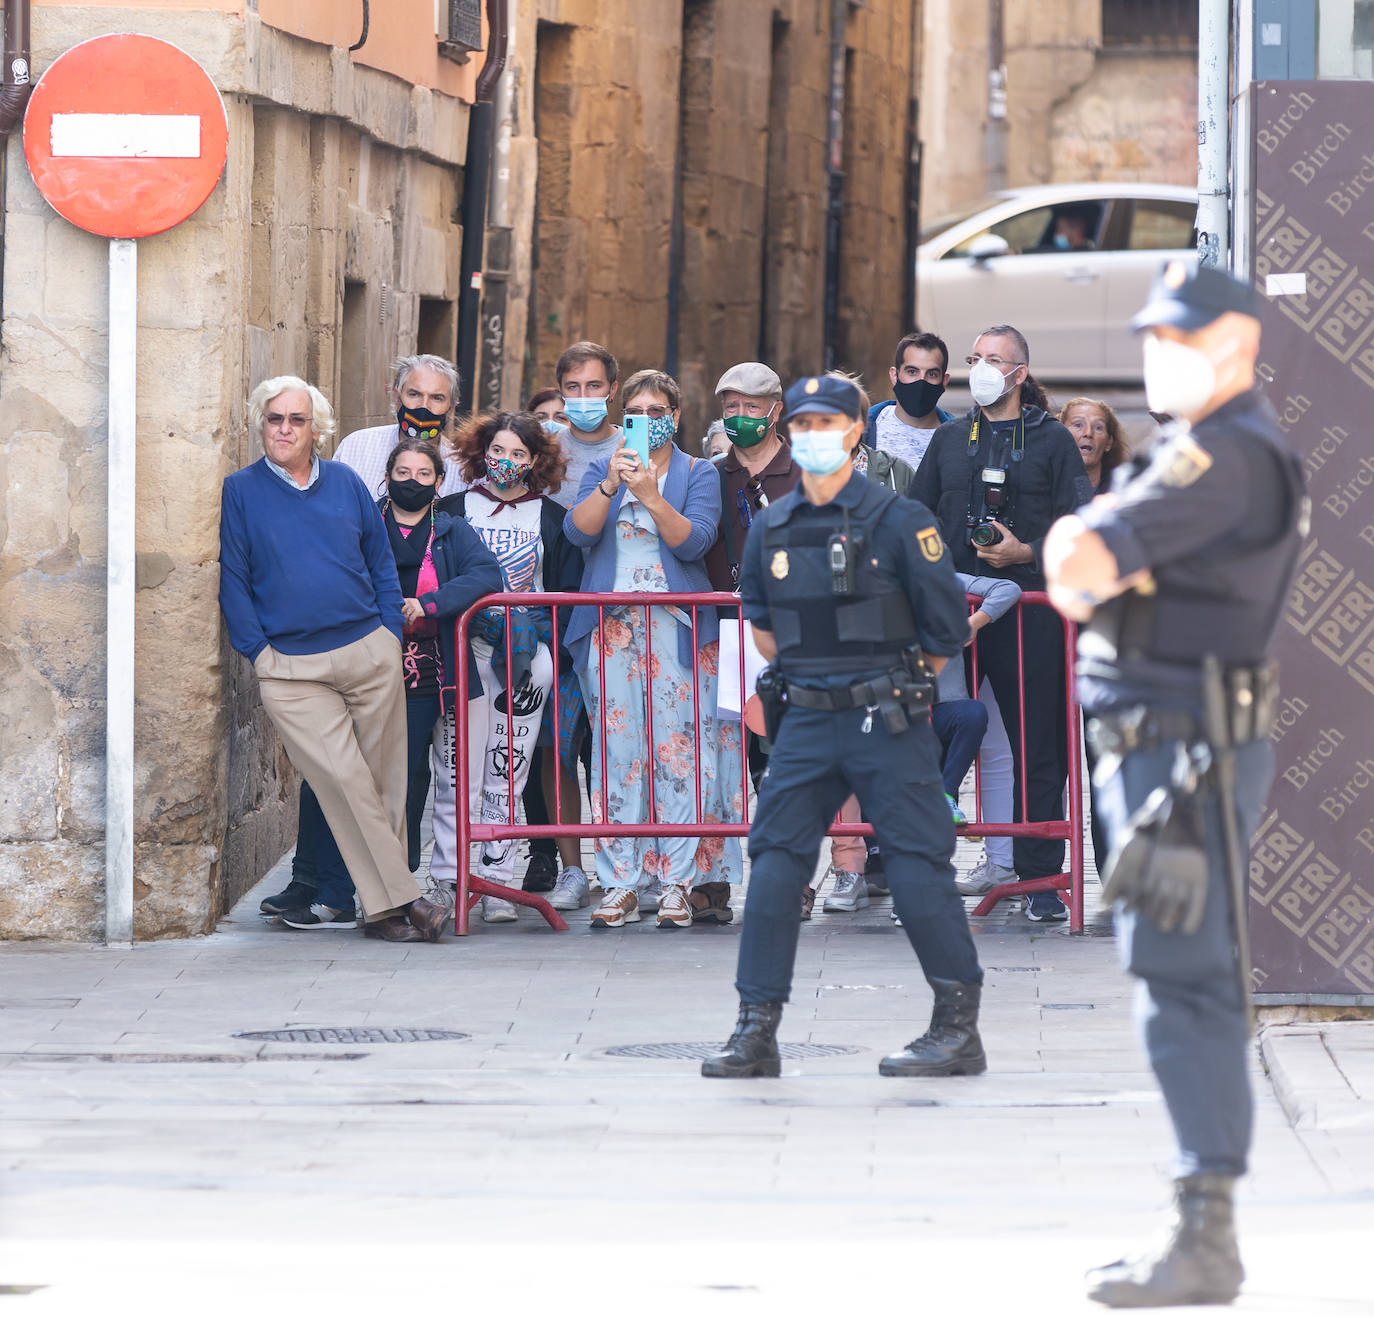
<point>1068,265</point>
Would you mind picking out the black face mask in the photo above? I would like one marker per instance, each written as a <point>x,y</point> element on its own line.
<point>408,495</point>
<point>917,397</point>
<point>420,423</point>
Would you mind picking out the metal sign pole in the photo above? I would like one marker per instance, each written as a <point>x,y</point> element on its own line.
<point>119,597</point>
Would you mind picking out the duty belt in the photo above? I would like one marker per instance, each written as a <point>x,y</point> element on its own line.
<point>887,689</point>
<point>1251,709</point>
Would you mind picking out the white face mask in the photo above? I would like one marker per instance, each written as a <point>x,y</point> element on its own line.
<point>1178,379</point>
<point>986,383</point>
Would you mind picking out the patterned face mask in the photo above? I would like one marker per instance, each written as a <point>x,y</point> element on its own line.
<point>506,472</point>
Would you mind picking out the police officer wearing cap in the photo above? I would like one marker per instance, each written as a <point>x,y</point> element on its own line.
<point>854,601</point>
<point>1180,573</point>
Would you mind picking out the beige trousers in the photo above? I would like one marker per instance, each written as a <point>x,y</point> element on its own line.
<point>342,718</point>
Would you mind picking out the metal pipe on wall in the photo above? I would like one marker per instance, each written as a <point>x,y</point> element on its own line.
<point>18,80</point>
<point>1213,132</point>
<point>476,177</point>
<point>834,161</point>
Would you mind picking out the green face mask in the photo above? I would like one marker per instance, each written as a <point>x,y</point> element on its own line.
<point>746,432</point>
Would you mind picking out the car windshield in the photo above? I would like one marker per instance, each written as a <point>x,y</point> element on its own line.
<point>934,226</point>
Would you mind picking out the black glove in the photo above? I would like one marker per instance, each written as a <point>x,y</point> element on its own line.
<point>1160,868</point>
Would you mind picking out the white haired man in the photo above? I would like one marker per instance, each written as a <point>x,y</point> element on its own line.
<point>310,594</point>
<point>424,390</point>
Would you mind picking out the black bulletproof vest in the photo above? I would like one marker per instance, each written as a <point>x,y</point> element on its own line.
<point>1227,597</point>
<point>817,630</point>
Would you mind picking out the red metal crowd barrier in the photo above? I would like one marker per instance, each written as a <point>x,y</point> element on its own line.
<point>471,888</point>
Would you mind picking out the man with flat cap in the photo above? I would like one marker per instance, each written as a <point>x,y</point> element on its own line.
<point>1180,573</point>
<point>854,602</point>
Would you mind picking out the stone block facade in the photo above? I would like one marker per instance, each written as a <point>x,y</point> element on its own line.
<point>331,236</point>
<point>1077,110</point>
<point>717,110</point>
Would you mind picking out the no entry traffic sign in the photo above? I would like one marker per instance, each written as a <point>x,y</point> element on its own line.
<point>125,135</point>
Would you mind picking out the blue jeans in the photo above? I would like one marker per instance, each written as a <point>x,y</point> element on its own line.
<point>960,725</point>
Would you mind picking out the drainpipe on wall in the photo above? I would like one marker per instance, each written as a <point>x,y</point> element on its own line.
<point>995,137</point>
<point>834,162</point>
<point>496,267</point>
<point>14,92</point>
<point>476,178</point>
<point>1213,125</point>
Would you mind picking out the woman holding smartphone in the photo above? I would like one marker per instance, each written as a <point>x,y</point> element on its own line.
<point>645,519</point>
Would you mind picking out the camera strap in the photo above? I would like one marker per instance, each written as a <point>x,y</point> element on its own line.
<point>1012,465</point>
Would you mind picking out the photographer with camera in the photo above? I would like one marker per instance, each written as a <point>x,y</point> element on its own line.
<point>997,478</point>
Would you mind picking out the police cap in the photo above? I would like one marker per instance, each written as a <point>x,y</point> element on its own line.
<point>1188,295</point>
<point>822,394</point>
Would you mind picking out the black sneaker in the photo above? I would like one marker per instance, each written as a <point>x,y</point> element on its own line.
<point>540,875</point>
<point>295,896</point>
<point>875,875</point>
<point>1045,906</point>
<point>319,916</point>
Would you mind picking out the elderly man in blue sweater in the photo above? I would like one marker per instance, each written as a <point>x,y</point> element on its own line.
<point>309,591</point>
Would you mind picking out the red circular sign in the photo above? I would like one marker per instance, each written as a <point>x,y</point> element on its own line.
<point>125,135</point>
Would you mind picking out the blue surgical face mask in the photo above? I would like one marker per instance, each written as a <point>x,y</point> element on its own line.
<point>552,425</point>
<point>585,414</point>
<point>1060,242</point>
<point>819,452</point>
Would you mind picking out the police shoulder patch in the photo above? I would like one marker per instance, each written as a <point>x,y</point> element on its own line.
<point>780,565</point>
<point>931,546</point>
<point>1183,462</point>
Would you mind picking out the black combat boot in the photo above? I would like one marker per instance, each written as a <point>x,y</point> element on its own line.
<point>1199,1264</point>
<point>753,1048</point>
<point>951,1045</point>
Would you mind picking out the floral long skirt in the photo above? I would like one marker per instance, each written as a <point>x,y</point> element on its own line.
<point>637,862</point>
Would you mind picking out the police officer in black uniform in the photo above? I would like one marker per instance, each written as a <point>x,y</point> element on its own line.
<point>1181,572</point>
<point>854,602</point>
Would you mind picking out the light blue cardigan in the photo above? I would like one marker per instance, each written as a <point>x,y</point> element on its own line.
<point>692,488</point>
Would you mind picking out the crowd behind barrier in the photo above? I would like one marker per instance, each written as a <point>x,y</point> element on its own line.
<point>471,887</point>
<point>570,579</point>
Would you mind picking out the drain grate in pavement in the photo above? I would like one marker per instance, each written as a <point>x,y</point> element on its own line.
<point>1012,968</point>
<point>1067,1006</point>
<point>696,1051</point>
<point>351,1035</point>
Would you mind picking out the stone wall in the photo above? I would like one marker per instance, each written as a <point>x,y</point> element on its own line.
<point>1076,111</point>
<point>726,105</point>
<point>329,239</point>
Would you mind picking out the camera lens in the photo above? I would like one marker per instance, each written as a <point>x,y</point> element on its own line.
<point>984,535</point>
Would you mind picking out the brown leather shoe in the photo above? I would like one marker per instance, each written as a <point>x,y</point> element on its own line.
<point>396,928</point>
<point>429,919</point>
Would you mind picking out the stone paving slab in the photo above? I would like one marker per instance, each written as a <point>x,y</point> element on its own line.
<point>148,1158</point>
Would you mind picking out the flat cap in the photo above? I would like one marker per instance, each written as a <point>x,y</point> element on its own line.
<point>753,379</point>
<point>1188,295</point>
<point>822,394</point>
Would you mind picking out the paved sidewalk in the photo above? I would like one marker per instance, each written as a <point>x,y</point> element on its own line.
<point>151,1162</point>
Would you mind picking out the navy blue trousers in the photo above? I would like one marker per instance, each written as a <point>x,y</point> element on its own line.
<point>818,760</point>
<point>1188,1004</point>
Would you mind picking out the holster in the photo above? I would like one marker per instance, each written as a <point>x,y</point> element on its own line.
<point>771,688</point>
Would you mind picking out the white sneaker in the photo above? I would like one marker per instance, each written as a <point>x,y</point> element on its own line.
<point>984,877</point>
<point>850,893</point>
<point>673,908</point>
<point>617,907</point>
<point>570,890</point>
<point>497,910</point>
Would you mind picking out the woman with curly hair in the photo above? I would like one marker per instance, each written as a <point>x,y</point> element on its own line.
<point>1101,441</point>
<point>512,465</point>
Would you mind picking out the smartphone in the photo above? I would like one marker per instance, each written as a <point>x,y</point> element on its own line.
<point>637,436</point>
